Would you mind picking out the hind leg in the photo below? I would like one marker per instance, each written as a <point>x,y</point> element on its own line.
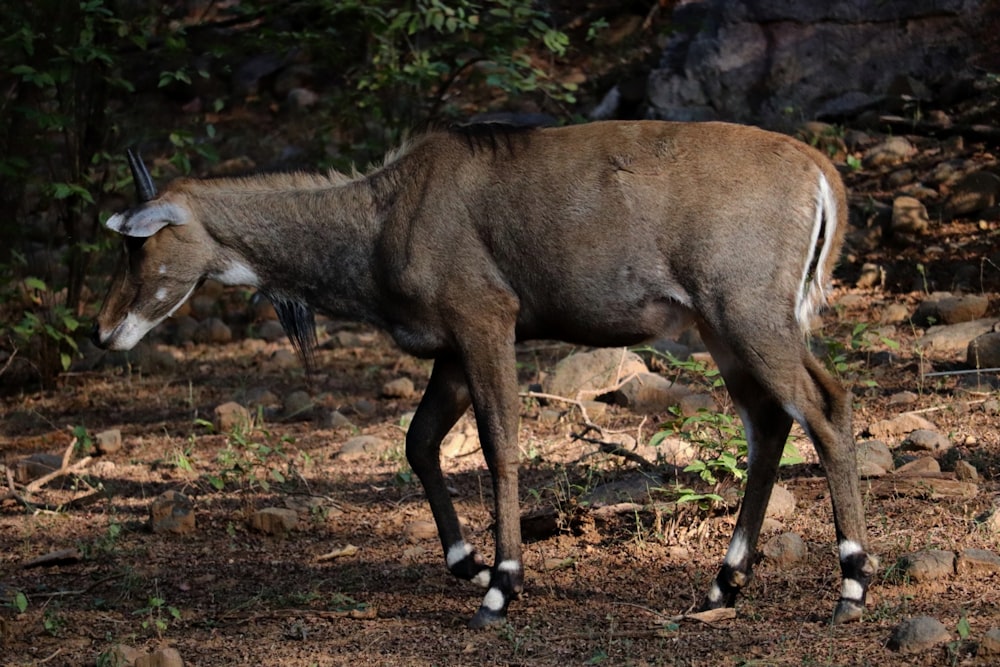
<point>773,380</point>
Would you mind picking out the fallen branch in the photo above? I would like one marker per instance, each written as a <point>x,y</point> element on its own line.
<point>32,487</point>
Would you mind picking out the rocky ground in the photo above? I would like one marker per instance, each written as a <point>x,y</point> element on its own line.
<point>217,506</point>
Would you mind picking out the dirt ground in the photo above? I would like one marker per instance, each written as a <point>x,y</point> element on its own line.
<point>602,594</point>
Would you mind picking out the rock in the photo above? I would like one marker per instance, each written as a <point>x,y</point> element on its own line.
<point>930,565</point>
<point>416,531</point>
<point>595,409</point>
<point>984,351</point>
<point>927,440</point>
<point>977,561</point>
<point>895,313</point>
<point>459,444</point>
<point>398,388</point>
<point>892,151</point>
<point>925,465</point>
<point>992,522</point>
<point>782,503</point>
<point>300,99</point>
<point>649,393</point>
<point>817,59</point>
<point>586,375</point>
<point>675,451</point>
<point>108,442</point>
<point>918,634</point>
<point>212,330</point>
<point>872,275</point>
<point>336,419</point>
<point>954,338</point>
<point>549,416</point>
<point>692,404</point>
<point>283,358</point>
<point>990,644</point>
<point>298,404</point>
<point>171,512</point>
<point>965,471</point>
<point>35,466</point>
<point>909,216</point>
<point>121,655</point>
<point>164,657</point>
<point>261,396</point>
<point>634,488</point>
<point>785,549</point>
<point>275,520</point>
<point>897,426</point>
<point>271,331</point>
<point>975,192</point>
<point>903,398</point>
<point>231,416</point>
<point>945,308</point>
<point>363,445</point>
<point>874,453</point>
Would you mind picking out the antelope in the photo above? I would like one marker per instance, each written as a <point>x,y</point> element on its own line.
<point>472,238</point>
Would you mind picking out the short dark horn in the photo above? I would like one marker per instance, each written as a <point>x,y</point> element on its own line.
<point>140,175</point>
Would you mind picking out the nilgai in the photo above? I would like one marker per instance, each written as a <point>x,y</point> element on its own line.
<point>470,239</point>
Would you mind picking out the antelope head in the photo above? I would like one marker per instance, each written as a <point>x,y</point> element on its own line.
<point>164,257</point>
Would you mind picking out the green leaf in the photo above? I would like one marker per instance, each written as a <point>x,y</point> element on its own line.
<point>35,283</point>
<point>20,602</point>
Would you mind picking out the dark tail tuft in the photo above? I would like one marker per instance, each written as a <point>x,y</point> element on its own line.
<point>299,323</point>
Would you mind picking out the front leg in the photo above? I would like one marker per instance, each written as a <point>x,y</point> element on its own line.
<point>444,402</point>
<point>487,346</point>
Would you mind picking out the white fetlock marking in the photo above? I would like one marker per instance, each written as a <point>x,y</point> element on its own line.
<point>851,590</point>
<point>849,548</point>
<point>494,600</point>
<point>482,579</point>
<point>509,566</point>
<point>457,553</point>
<point>714,593</point>
<point>737,552</point>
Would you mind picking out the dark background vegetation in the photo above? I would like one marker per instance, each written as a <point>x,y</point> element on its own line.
<point>192,82</point>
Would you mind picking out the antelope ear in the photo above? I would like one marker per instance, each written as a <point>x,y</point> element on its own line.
<point>147,220</point>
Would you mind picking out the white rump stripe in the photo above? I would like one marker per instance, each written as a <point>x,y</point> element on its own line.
<point>813,295</point>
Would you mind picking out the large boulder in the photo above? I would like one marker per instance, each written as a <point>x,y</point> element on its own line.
<point>776,62</point>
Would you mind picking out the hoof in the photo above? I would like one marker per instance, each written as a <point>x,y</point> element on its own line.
<point>847,611</point>
<point>486,618</point>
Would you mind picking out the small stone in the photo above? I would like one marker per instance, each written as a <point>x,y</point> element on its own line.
<point>965,471</point>
<point>909,216</point>
<point>398,388</point>
<point>459,444</point>
<point>35,466</point>
<point>363,445</point>
<point>918,634</point>
<point>964,308</point>
<point>121,655</point>
<point>283,358</point>
<point>920,466</point>
<point>782,503</point>
<point>274,520</point>
<point>164,657</point>
<point>973,193</point>
<point>889,152</point>
<point>108,442</point>
<point>171,512</point>
<point>298,404</point>
<point>992,522</point>
<point>416,531</point>
<point>980,561</point>
<point>336,419</point>
<point>903,398</point>
<point>955,338</point>
<point>231,416</point>
<point>874,453</point>
<point>300,99</point>
<point>990,644</point>
<point>930,565</point>
<point>872,275</point>
<point>649,393</point>
<point>785,549</point>
<point>691,404</point>
<point>549,416</point>
<point>261,396</point>
<point>894,313</point>
<point>364,407</point>
<point>595,409</point>
<point>897,426</point>
<point>271,331</point>
<point>984,351</point>
<point>926,440</point>
<point>212,330</point>
<point>675,451</point>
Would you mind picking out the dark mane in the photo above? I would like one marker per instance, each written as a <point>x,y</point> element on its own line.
<point>490,131</point>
